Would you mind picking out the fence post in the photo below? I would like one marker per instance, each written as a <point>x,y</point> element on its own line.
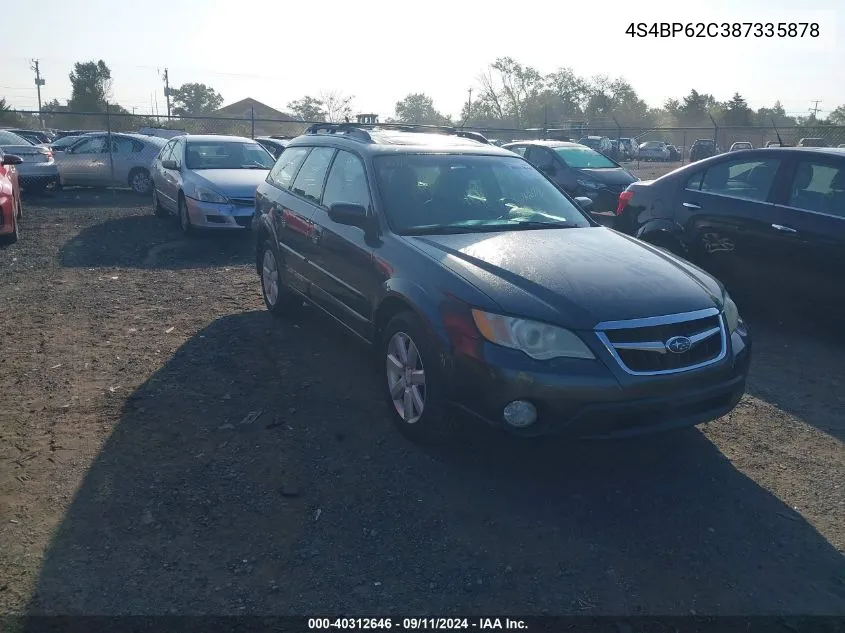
<point>684,148</point>
<point>108,145</point>
<point>252,121</point>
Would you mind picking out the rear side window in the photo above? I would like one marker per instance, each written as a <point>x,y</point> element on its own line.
<point>347,181</point>
<point>309,181</point>
<point>749,179</point>
<point>286,166</point>
<point>819,187</point>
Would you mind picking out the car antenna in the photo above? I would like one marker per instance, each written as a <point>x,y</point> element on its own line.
<point>780,140</point>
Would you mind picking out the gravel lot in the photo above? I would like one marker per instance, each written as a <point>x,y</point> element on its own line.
<point>166,446</point>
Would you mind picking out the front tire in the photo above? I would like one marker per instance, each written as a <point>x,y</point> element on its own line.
<point>184,219</point>
<point>412,381</point>
<point>159,210</point>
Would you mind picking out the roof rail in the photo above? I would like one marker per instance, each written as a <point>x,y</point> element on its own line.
<point>349,129</point>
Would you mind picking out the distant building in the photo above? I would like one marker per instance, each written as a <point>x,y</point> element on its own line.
<point>267,120</point>
<point>369,119</point>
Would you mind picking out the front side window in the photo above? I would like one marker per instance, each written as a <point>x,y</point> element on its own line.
<point>347,181</point>
<point>95,145</point>
<point>286,166</point>
<point>519,149</point>
<point>309,181</point>
<point>819,187</point>
<point>451,193</point>
<point>749,179</point>
<point>166,152</point>
<point>584,158</point>
<point>226,155</point>
<point>541,157</point>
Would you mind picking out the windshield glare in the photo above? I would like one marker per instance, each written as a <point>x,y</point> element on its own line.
<point>226,155</point>
<point>448,193</point>
<point>584,158</point>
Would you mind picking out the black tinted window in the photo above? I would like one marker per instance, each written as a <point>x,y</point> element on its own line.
<point>750,179</point>
<point>347,181</point>
<point>309,180</point>
<point>695,181</point>
<point>286,166</point>
<point>819,187</point>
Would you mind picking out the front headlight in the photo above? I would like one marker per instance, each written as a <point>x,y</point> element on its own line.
<point>732,318</point>
<point>204,194</point>
<point>588,184</point>
<point>539,340</point>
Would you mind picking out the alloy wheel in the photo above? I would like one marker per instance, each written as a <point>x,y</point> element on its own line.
<point>405,377</point>
<point>270,278</point>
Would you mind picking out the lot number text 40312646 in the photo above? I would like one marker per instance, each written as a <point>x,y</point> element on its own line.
<point>723,29</point>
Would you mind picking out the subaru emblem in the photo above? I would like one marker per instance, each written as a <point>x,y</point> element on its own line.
<point>678,344</point>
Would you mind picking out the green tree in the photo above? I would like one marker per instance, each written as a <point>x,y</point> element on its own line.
<point>6,115</point>
<point>308,108</point>
<point>837,117</point>
<point>737,111</point>
<point>194,99</point>
<point>419,108</point>
<point>91,84</point>
<point>695,108</point>
<point>508,89</point>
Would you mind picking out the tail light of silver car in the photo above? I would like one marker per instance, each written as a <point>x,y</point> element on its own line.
<point>624,199</point>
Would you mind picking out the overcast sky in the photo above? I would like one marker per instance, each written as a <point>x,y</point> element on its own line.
<point>278,51</point>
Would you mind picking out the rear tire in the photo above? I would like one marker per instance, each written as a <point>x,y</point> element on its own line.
<point>276,295</point>
<point>412,383</point>
<point>140,181</point>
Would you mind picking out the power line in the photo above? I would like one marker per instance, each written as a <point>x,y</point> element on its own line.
<point>815,109</point>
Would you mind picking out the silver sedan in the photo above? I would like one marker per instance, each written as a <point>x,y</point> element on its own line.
<point>38,169</point>
<point>209,181</point>
<point>109,160</point>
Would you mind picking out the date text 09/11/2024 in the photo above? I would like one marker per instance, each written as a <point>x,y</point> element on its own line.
<point>417,624</point>
<point>724,29</point>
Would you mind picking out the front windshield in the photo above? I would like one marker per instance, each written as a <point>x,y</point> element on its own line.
<point>454,193</point>
<point>584,158</point>
<point>226,155</point>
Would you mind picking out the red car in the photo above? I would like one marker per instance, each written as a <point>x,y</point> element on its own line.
<point>10,198</point>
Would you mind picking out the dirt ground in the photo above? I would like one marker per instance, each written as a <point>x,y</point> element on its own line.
<point>166,446</point>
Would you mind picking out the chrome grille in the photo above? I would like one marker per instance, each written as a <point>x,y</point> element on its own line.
<point>642,346</point>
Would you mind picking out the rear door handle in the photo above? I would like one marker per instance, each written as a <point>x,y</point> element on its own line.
<point>691,205</point>
<point>783,229</point>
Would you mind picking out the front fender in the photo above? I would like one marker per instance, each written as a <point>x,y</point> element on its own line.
<point>426,306</point>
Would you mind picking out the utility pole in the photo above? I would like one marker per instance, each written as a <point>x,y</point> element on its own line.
<point>38,83</point>
<point>469,105</point>
<point>815,109</point>
<point>167,92</point>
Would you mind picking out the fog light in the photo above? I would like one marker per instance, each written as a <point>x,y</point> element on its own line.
<point>520,413</point>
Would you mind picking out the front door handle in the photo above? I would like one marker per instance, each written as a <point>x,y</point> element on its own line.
<point>691,205</point>
<point>783,229</point>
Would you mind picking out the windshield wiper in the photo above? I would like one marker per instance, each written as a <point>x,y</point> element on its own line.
<point>488,228</point>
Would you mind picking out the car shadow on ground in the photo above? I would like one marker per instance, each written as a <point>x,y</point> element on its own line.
<point>799,343</point>
<point>147,241</point>
<point>257,472</point>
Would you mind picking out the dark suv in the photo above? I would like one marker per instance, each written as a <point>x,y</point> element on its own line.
<point>484,289</point>
<point>702,148</point>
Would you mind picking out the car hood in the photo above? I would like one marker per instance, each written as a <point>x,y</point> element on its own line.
<point>616,176</point>
<point>233,183</point>
<point>574,277</point>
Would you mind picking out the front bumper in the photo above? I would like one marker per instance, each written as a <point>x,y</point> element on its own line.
<point>596,398</point>
<point>210,215</point>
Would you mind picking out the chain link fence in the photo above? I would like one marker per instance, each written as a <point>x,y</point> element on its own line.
<point>121,154</point>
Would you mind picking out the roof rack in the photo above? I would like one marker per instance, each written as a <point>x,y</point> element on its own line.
<point>359,130</point>
<point>353,130</point>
